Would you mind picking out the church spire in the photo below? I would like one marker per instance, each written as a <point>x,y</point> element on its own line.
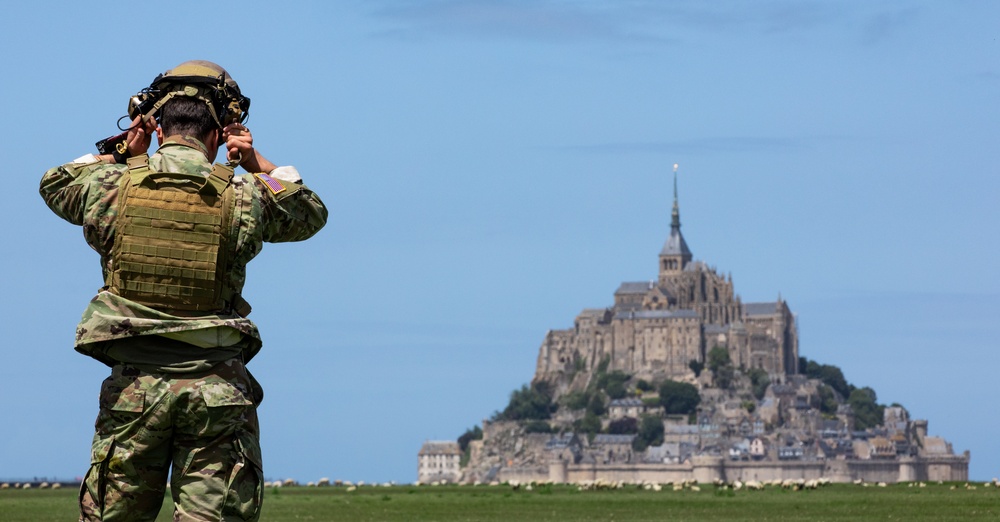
<point>675,254</point>
<point>675,214</point>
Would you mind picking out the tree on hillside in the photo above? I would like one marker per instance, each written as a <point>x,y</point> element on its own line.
<point>827,402</point>
<point>650,433</point>
<point>623,426</point>
<point>616,390</point>
<point>575,400</point>
<point>589,424</point>
<point>612,383</point>
<point>759,381</point>
<point>867,412</point>
<point>596,405</point>
<point>721,366</point>
<point>529,403</point>
<point>718,357</point>
<point>829,374</point>
<point>679,397</point>
<point>471,434</point>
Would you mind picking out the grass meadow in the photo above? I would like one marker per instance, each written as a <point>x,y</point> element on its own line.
<point>838,502</point>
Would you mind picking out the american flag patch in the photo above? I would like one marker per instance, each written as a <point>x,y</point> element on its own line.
<point>272,184</point>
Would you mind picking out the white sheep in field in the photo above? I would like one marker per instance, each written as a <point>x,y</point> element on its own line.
<point>56,485</point>
<point>290,482</point>
<point>5,486</point>
<point>43,485</point>
<point>323,482</point>
<point>26,486</point>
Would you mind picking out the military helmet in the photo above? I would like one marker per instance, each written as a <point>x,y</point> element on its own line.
<point>200,79</point>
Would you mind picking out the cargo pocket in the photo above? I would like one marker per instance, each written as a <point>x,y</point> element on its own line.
<point>223,394</point>
<point>122,396</point>
<point>94,488</point>
<point>245,488</point>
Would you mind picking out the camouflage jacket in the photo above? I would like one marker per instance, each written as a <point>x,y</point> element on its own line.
<point>86,193</point>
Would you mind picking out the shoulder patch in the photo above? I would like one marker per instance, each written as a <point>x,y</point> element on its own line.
<point>272,184</point>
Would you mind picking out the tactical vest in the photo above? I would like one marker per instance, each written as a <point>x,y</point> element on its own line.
<point>171,240</point>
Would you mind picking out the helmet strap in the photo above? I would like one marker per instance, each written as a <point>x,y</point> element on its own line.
<point>189,91</point>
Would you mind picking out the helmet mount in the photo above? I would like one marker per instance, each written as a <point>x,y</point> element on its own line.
<point>199,79</point>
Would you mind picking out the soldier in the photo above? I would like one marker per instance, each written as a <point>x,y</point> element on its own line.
<point>175,234</point>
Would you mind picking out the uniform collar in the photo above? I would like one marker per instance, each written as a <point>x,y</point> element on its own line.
<point>186,141</point>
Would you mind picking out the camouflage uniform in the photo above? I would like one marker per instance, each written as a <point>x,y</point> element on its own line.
<point>179,394</point>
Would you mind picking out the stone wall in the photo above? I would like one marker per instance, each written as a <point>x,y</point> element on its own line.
<point>704,470</point>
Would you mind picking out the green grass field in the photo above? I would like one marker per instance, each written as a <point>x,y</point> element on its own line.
<point>564,503</point>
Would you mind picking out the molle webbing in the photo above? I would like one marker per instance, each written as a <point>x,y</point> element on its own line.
<point>171,241</point>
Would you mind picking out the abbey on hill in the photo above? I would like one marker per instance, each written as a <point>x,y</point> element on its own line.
<point>657,328</point>
<point>680,380</point>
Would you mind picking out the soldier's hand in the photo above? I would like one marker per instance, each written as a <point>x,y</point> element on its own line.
<point>139,136</point>
<point>239,142</point>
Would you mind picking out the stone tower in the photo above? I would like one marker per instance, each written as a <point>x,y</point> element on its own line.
<point>675,254</point>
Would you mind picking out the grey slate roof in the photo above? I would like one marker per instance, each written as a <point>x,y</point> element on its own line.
<point>563,440</point>
<point>440,447</point>
<point>640,287</point>
<point>760,308</point>
<point>675,245</point>
<point>606,438</point>
<point>625,403</point>
<point>713,329</point>
<point>696,266</point>
<point>657,314</point>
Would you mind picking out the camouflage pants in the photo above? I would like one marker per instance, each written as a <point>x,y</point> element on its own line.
<point>201,428</point>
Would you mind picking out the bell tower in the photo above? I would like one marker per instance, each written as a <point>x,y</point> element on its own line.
<point>675,254</point>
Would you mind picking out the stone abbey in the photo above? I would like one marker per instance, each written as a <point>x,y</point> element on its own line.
<point>756,411</point>
<point>657,328</point>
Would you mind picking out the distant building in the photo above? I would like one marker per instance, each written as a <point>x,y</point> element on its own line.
<point>628,407</point>
<point>438,461</point>
<point>656,329</point>
<point>663,329</point>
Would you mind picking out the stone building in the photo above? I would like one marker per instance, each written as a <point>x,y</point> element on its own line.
<point>438,460</point>
<point>656,328</point>
<point>653,331</point>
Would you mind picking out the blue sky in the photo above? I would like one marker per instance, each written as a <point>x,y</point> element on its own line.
<point>492,168</point>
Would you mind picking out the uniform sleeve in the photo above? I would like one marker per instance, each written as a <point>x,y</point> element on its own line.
<point>68,189</point>
<point>290,211</point>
